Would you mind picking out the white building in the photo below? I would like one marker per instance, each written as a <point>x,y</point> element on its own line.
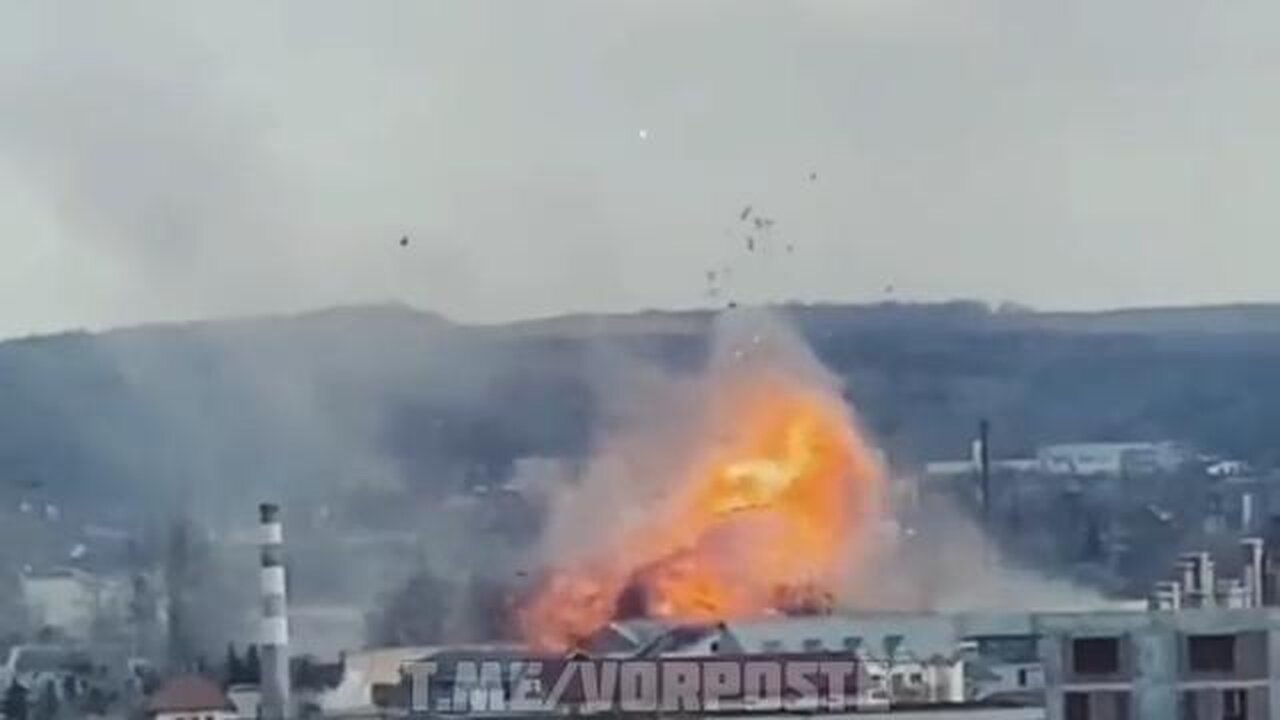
<point>1111,458</point>
<point>970,468</point>
<point>353,697</point>
<point>35,666</point>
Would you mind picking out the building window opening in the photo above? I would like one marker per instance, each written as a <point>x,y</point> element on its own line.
<point>1190,705</point>
<point>1096,656</point>
<point>1075,706</point>
<point>1212,653</point>
<point>1120,707</point>
<point>1235,704</point>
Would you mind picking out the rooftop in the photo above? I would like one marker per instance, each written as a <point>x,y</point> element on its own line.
<point>189,693</point>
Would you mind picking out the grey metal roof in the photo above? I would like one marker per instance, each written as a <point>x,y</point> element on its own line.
<point>920,635</point>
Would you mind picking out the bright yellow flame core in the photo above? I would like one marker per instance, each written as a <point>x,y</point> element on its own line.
<point>773,517</point>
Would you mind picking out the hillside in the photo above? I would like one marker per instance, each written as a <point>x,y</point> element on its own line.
<point>209,411</point>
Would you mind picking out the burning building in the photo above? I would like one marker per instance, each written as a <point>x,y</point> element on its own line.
<point>770,513</point>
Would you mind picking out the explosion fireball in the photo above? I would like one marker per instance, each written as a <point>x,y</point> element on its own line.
<point>776,507</point>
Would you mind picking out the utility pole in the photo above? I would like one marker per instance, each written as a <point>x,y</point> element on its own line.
<point>984,471</point>
<point>984,480</point>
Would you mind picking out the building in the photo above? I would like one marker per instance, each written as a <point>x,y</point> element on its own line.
<point>922,658</point>
<point>361,673</point>
<point>959,712</point>
<point>1006,668</point>
<point>1111,458</point>
<point>625,638</point>
<point>247,700</point>
<point>190,697</point>
<point>971,468</point>
<point>35,666</point>
<point>1196,664</point>
<point>70,600</point>
<point>966,665</point>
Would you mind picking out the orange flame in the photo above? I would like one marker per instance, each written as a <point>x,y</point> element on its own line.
<point>766,521</point>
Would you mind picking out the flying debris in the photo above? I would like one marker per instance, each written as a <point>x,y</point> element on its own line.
<point>813,176</point>
<point>763,223</point>
<point>888,289</point>
<point>751,244</point>
<point>404,241</point>
<point>746,211</point>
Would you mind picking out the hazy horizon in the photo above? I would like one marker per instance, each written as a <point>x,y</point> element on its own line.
<point>169,162</point>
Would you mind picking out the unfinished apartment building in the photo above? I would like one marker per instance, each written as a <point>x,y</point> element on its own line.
<point>1192,664</point>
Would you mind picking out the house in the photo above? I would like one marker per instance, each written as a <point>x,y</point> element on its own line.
<point>190,697</point>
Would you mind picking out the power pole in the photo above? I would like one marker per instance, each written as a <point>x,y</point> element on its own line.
<point>984,471</point>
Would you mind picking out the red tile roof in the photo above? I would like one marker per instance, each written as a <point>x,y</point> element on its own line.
<point>187,693</point>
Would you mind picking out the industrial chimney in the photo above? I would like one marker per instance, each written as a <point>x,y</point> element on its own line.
<point>274,640</point>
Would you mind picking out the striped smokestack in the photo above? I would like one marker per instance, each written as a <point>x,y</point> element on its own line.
<point>274,640</point>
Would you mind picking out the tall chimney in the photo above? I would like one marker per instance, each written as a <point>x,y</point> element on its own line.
<point>274,640</point>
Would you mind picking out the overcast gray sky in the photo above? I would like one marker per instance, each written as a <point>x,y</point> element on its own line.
<point>171,160</point>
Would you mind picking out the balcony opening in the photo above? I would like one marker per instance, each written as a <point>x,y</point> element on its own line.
<point>1211,653</point>
<point>1095,656</point>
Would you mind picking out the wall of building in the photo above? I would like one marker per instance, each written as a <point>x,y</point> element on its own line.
<point>1162,661</point>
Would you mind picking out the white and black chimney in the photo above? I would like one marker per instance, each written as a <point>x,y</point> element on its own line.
<point>274,638</point>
